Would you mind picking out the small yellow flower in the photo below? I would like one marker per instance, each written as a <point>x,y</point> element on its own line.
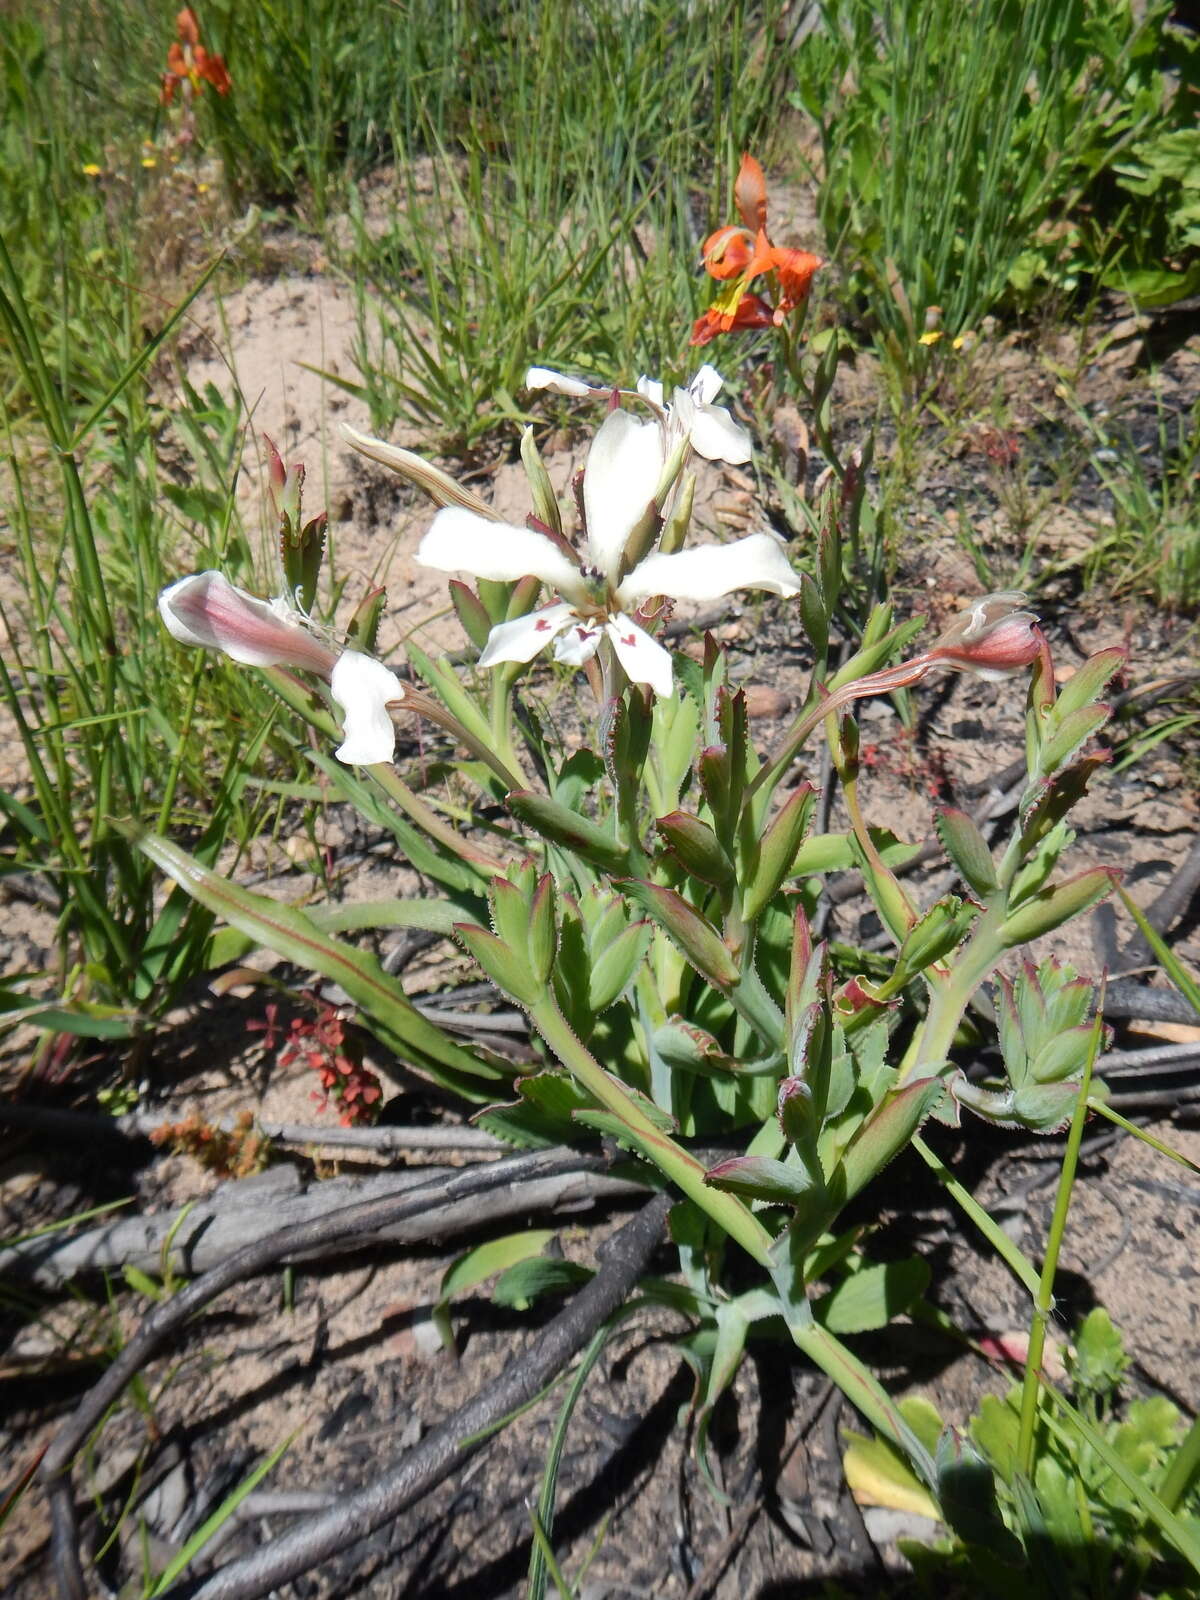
<point>931,337</point>
<point>91,170</point>
<point>202,188</point>
<point>149,161</point>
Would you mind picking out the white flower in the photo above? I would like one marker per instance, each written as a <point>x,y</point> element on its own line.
<point>624,467</point>
<point>205,609</point>
<point>710,429</point>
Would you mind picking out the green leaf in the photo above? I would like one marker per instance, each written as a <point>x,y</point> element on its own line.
<point>772,860</point>
<point>932,936</point>
<point>529,1280</point>
<point>476,1266</point>
<point>1081,689</point>
<point>508,968</point>
<point>692,933</point>
<point>887,1131</point>
<point>1050,908</point>
<point>872,1296</point>
<point>1064,736</point>
<point>615,963</point>
<point>293,935</point>
<point>567,828</point>
<point>761,1178</point>
<point>1098,1361</point>
<point>696,848</point>
<point>968,851</point>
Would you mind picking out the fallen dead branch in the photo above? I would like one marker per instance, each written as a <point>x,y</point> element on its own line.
<point>623,1259</point>
<point>253,1210</point>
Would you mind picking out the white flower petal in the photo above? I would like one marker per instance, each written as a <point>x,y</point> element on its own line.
<point>717,437</point>
<point>706,385</point>
<point>523,637</point>
<point>623,468</point>
<point>579,643</point>
<point>362,688</point>
<point>205,609</point>
<point>650,389</point>
<point>557,382</point>
<point>711,571</point>
<point>644,659</point>
<point>459,541</point>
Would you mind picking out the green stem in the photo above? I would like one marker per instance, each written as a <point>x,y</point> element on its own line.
<point>677,1164</point>
<point>1185,1465</point>
<point>1044,1299</point>
<point>949,998</point>
<point>1018,1262</point>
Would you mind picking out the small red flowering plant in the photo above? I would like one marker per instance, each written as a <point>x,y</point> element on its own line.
<point>333,1048</point>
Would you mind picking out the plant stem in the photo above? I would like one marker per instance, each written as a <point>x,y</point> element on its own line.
<point>1044,1299</point>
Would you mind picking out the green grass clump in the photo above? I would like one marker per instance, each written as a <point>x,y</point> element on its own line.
<point>980,154</point>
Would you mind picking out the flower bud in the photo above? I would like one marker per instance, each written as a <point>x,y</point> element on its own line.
<point>994,639</point>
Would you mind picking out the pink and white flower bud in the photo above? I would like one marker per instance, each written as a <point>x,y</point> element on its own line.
<point>206,609</point>
<point>994,639</point>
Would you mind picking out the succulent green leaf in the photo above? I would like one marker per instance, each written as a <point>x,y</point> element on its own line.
<point>476,623</point>
<point>567,828</point>
<point>696,848</point>
<point>773,857</point>
<point>1068,735</point>
<point>813,616</point>
<point>293,935</point>
<point>615,963</point>
<point>887,1131</point>
<point>684,1047</point>
<point>694,935</point>
<point>1081,689</point>
<point>1050,908</point>
<point>542,937</point>
<point>967,850</point>
<point>761,1178</point>
<point>363,627</point>
<point>508,968</point>
<point>935,934</point>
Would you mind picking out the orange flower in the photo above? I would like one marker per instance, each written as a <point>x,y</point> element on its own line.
<point>188,62</point>
<point>737,256</point>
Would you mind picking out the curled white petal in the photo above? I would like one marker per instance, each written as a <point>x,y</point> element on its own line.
<point>623,468</point>
<point>578,643</point>
<point>706,385</point>
<point>363,688</point>
<point>644,659</point>
<point>205,609</point>
<point>717,437</point>
<point>459,541</point>
<point>711,571</point>
<point>557,382</point>
<point>523,637</point>
<point>650,389</point>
